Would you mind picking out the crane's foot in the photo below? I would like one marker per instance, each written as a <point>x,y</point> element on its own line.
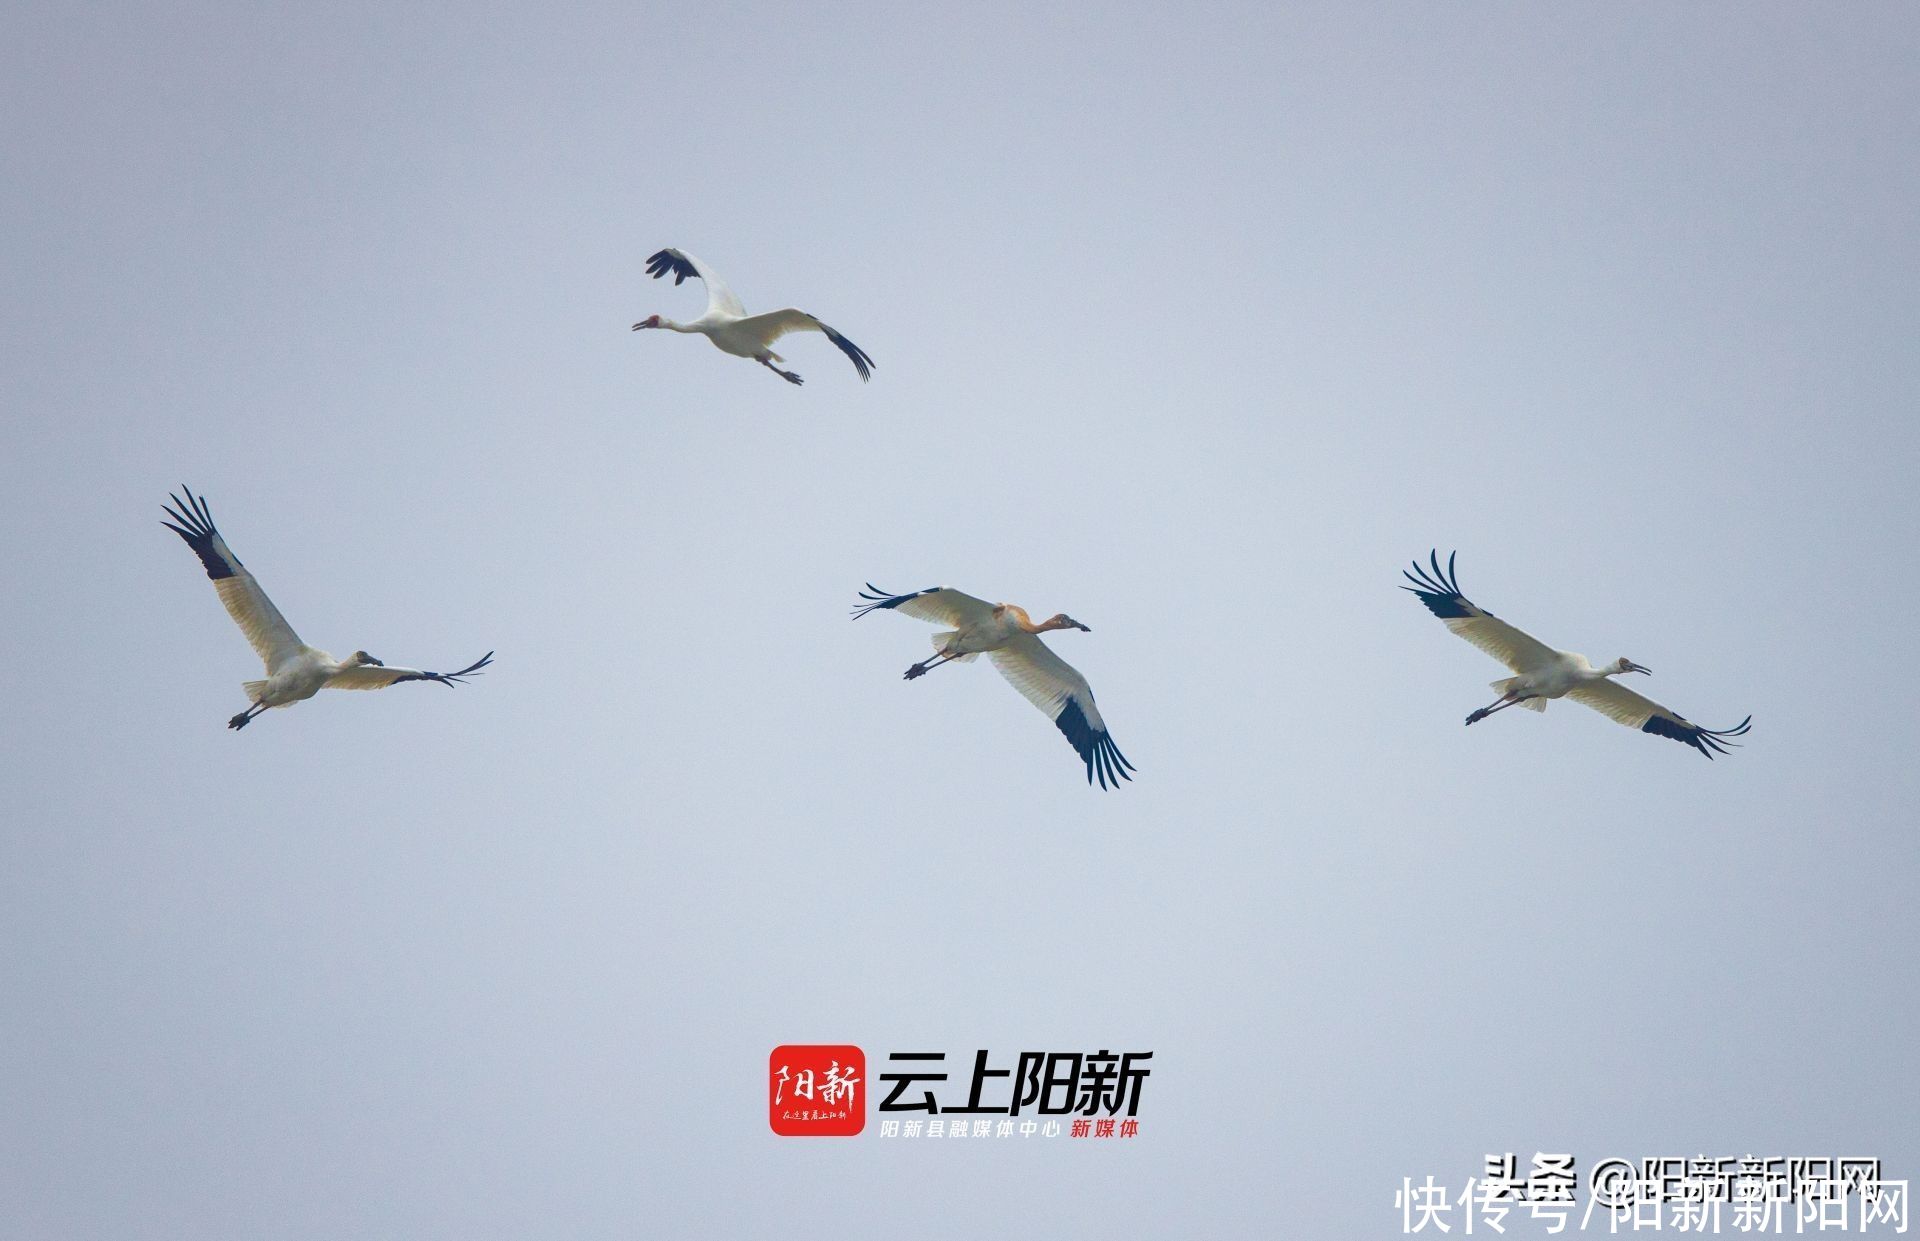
<point>918,670</point>
<point>241,720</point>
<point>1479,715</point>
<point>789,376</point>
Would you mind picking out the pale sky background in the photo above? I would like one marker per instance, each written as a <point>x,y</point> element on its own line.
<point>1197,324</point>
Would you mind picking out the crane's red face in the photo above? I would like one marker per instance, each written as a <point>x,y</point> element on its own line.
<point>649,321</point>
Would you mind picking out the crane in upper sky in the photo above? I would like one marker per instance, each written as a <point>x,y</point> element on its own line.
<point>1012,639</point>
<point>1542,673</point>
<point>731,329</point>
<point>295,671</point>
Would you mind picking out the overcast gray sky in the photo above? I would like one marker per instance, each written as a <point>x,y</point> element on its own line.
<point>1196,324</point>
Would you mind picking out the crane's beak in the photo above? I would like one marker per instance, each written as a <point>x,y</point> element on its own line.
<point>1638,668</point>
<point>1082,628</point>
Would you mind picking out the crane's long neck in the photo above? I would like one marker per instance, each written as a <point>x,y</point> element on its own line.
<point>1051,623</point>
<point>671,326</point>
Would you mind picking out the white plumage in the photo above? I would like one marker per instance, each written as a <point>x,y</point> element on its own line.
<point>732,330</point>
<point>295,671</point>
<point>1007,635</point>
<point>1543,673</point>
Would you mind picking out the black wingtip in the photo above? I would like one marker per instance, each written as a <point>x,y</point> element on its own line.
<point>1439,588</point>
<point>452,678</point>
<point>861,362</point>
<point>1102,757</point>
<point>473,669</point>
<point>664,261</point>
<point>193,522</point>
<point>874,599</point>
<point>1709,741</point>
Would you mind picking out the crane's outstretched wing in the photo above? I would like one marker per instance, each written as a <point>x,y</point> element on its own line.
<point>1622,705</point>
<point>1050,683</point>
<point>684,266</point>
<point>941,605</point>
<point>273,639</point>
<point>1440,591</point>
<point>774,324</point>
<point>379,676</point>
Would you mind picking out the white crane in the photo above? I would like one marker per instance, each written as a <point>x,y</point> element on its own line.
<point>1544,673</point>
<point>295,671</point>
<point>1009,635</point>
<point>732,330</point>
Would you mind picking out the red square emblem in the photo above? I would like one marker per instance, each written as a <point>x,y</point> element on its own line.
<point>817,1090</point>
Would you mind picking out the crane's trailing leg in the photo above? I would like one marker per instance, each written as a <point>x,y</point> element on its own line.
<point>921,669</point>
<point>789,376</point>
<point>1501,704</point>
<point>241,720</point>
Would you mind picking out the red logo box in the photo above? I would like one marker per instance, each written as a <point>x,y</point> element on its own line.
<point>817,1090</point>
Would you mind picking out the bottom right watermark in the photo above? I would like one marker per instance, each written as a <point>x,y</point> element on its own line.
<point>1697,1194</point>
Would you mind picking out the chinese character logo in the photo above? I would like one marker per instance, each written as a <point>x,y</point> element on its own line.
<point>817,1091</point>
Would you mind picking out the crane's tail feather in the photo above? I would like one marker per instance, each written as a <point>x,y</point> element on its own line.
<point>1505,686</point>
<point>253,689</point>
